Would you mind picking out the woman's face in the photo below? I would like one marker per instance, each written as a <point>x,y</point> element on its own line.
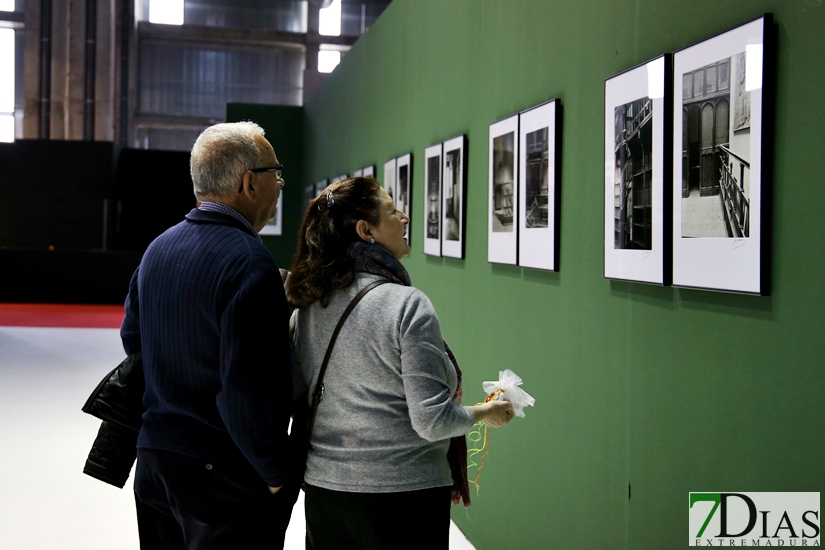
<point>391,229</point>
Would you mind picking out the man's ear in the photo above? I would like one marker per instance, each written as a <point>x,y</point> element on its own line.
<point>362,227</point>
<point>247,181</point>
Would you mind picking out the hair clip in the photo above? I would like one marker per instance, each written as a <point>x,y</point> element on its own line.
<point>330,201</point>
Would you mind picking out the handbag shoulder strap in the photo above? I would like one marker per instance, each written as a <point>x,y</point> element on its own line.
<point>319,386</point>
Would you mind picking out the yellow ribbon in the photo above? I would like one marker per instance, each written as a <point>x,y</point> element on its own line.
<point>480,434</point>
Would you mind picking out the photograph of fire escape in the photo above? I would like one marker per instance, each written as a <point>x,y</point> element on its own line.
<point>536,144</point>
<point>504,175</point>
<point>633,206</point>
<point>715,162</point>
<point>433,195</point>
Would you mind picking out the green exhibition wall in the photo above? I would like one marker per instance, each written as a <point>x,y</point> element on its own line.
<point>283,127</point>
<point>664,389</point>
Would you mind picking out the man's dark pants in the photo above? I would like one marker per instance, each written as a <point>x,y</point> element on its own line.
<point>187,503</point>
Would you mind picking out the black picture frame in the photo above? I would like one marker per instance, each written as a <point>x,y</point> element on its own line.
<point>540,186</point>
<point>433,164</point>
<point>454,197</point>
<point>503,191</point>
<point>389,177</point>
<point>403,187</point>
<point>638,173</point>
<point>275,227</point>
<point>722,159</point>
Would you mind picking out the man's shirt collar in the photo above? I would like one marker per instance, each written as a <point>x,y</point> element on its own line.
<point>212,206</point>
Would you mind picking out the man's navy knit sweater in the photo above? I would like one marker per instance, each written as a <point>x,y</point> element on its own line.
<point>207,308</point>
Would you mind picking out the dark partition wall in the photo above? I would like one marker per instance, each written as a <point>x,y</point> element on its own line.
<point>65,276</point>
<point>72,227</point>
<point>153,191</point>
<point>52,194</point>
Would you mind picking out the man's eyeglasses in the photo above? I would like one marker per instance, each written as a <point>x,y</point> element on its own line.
<point>278,169</point>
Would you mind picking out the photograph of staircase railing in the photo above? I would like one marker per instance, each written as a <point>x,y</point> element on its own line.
<point>735,203</point>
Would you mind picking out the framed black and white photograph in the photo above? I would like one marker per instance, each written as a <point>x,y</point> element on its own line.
<point>454,197</point>
<point>637,177</point>
<point>403,186</point>
<point>432,200</point>
<point>358,173</point>
<point>720,113</point>
<point>389,178</point>
<point>320,186</point>
<point>502,211</point>
<point>275,226</point>
<point>310,193</point>
<point>538,198</point>
<point>368,171</point>
<point>340,177</point>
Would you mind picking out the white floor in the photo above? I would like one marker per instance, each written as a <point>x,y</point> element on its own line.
<point>46,502</point>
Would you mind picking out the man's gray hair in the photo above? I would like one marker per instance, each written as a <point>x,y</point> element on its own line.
<point>221,155</point>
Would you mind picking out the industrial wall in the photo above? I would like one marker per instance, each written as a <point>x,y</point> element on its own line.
<point>644,393</point>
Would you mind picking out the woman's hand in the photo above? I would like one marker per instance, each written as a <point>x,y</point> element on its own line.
<point>494,414</point>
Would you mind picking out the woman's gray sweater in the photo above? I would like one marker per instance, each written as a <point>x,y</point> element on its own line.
<point>387,412</point>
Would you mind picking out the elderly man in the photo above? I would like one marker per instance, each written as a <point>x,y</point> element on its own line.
<point>207,309</point>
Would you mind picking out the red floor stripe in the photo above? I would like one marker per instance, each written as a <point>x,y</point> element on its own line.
<point>61,315</point>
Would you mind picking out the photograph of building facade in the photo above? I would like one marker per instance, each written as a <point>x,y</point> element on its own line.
<point>715,162</point>
<point>634,175</point>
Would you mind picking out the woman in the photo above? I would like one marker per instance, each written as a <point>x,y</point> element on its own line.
<point>377,472</point>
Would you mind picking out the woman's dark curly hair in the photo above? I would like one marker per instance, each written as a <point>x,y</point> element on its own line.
<point>323,262</point>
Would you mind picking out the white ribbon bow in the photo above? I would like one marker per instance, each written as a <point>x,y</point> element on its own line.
<point>508,382</point>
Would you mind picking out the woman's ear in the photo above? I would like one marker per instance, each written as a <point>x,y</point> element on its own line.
<point>362,227</point>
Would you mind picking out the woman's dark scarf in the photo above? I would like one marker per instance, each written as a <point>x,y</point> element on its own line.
<point>371,258</point>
